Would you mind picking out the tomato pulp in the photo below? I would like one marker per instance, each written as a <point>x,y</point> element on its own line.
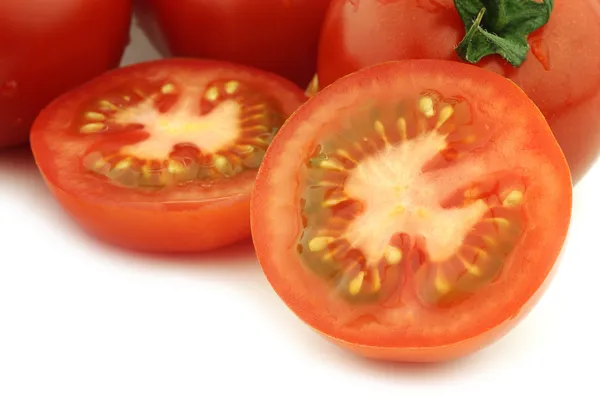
<point>280,36</point>
<point>48,48</point>
<point>162,155</point>
<point>412,210</point>
<point>561,72</point>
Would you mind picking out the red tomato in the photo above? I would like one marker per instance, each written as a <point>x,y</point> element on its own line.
<point>561,72</point>
<point>162,155</point>
<point>49,47</point>
<point>413,210</point>
<point>280,36</point>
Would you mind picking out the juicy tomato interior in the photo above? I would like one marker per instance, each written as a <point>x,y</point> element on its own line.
<point>165,137</point>
<point>427,207</point>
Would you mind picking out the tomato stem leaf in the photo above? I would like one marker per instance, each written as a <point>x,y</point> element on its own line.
<point>500,27</point>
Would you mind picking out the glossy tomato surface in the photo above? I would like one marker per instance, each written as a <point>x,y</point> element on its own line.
<point>280,36</point>
<point>412,211</point>
<point>161,156</point>
<point>561,73</point>
<point>48,48</point>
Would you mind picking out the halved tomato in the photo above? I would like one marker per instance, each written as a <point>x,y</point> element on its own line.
<point>412,210</point>
<point>162,155</point>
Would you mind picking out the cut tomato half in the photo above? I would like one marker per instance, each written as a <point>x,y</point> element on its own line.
<point>413,210</point>
<point>162,156</point>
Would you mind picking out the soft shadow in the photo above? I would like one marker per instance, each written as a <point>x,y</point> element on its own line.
<point>239,255</point>
<point>284,320</point>
<point>288,324</point>
<point>19,171</point>
<point>18,160</point>
<point>414,370</point>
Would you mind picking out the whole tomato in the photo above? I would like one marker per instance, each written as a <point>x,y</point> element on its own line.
<point>560,71</point>
<point>279,36</point>
<point>49,47</point>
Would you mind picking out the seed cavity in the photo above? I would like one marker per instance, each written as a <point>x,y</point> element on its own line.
<point>244,148</point>
<point>500,222</point>
<point>470,139</point>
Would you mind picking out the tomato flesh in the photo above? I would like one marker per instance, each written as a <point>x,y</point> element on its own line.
<point>160,142</point>
<point>416,221</point>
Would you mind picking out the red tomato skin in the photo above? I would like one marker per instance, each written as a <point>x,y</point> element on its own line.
<point>159,224</point>
<point>160,229</point>
<point>279,36</point>
<point>48,48</point>
<point>561,73</point>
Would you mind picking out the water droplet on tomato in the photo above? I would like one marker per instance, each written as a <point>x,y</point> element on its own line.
<point>9,88</point>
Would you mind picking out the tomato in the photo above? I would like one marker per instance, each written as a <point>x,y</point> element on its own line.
<point>560,73</point>
<point>161,156</point>
<point>47,48</point>
<point>280,36</point>
<point>413,210</point>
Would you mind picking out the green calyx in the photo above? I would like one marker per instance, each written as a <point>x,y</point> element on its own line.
<point>500,27</point>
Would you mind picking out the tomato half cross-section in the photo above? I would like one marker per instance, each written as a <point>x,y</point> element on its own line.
<point>412,211</point>
<point>550,49</point>
<point>161,156</point>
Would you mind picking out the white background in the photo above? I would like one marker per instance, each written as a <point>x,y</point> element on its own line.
<point>81,320</point>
